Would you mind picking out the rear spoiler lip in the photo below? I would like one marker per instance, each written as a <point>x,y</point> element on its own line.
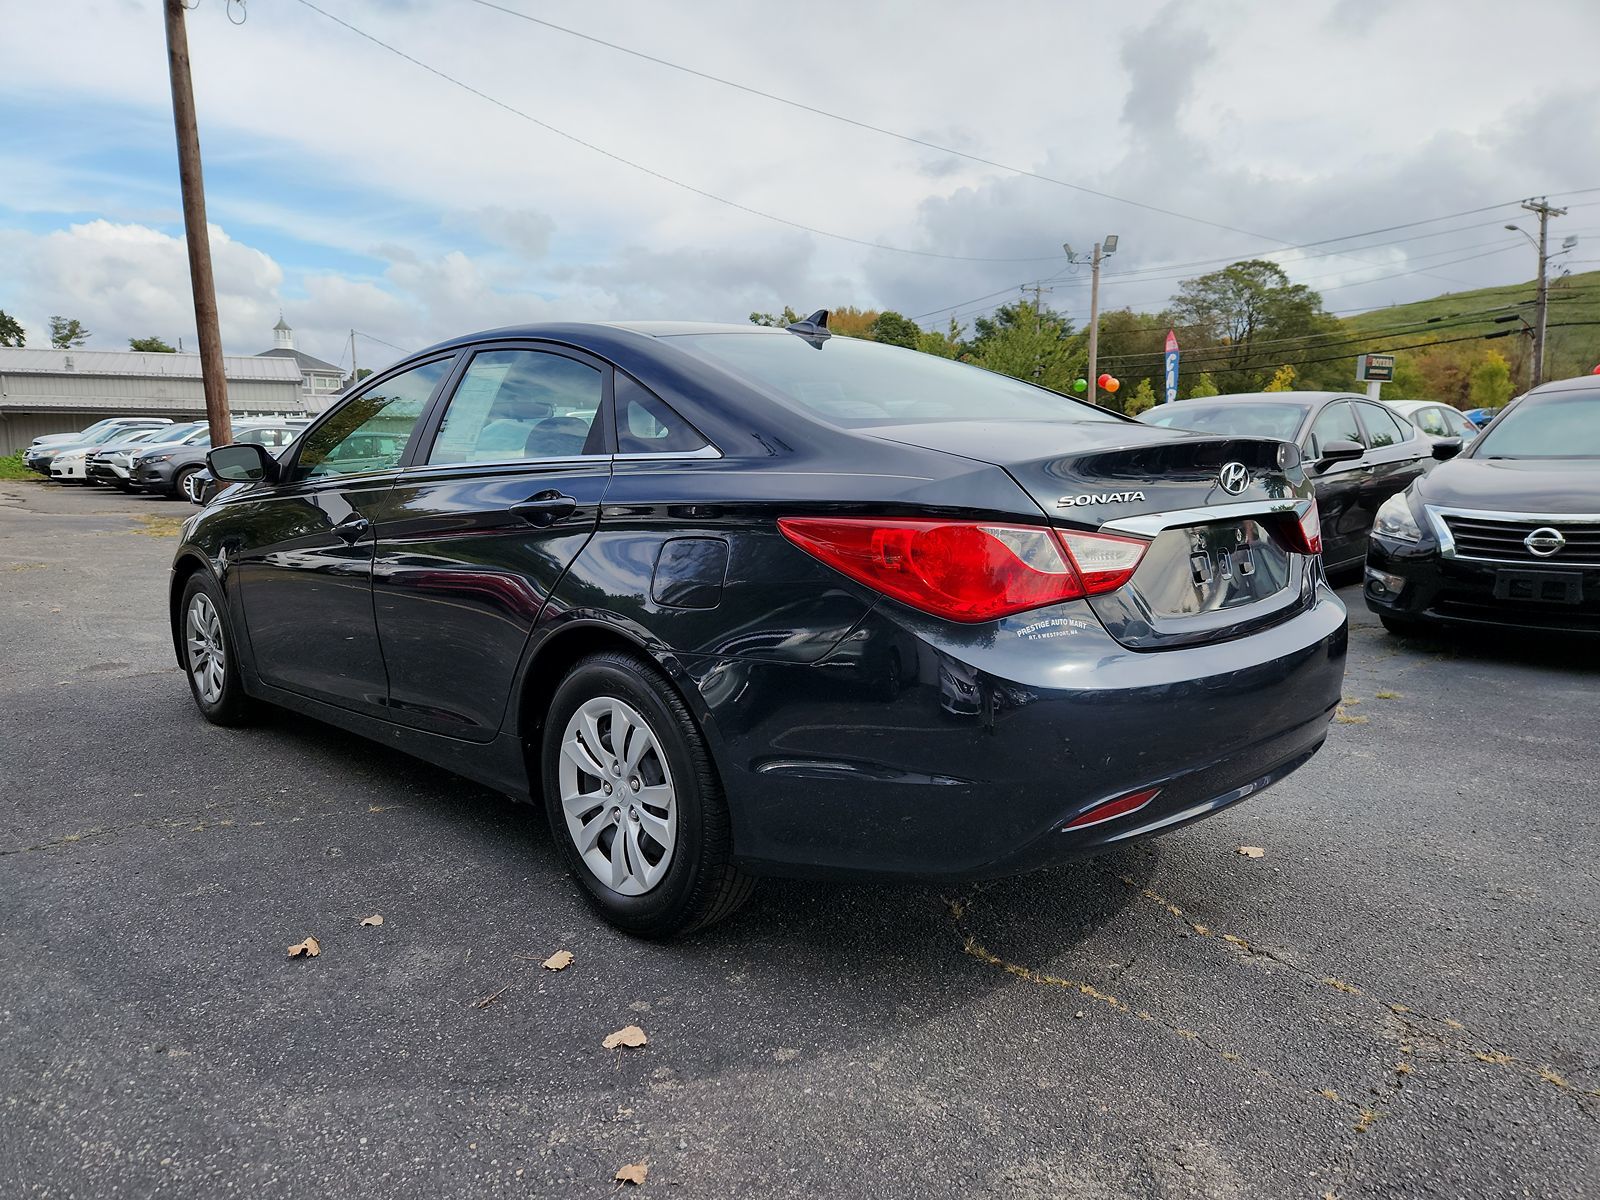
<point>1151,524</point>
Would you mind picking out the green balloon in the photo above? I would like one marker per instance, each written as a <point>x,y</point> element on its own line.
<point>1080,385</point>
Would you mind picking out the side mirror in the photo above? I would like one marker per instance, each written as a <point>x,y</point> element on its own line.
<point>243,462</point>
<point>1338,451</point>
<point>1444,449</point>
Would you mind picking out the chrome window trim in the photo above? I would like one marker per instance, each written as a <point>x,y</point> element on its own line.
<point>1151,524</point>
<point>704,452</point>
<point>1436,514</point>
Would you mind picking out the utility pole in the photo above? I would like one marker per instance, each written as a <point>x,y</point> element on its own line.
<point>1545,212</point>
<point>355,374</point>
<point>1102,251</point>
<point>192,184</point>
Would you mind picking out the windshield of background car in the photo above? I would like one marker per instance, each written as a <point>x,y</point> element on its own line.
<point>1563,425</point>
<point>1280,421</point>
<point>857,384</point>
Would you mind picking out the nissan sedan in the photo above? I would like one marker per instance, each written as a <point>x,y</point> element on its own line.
<point>728,601</point>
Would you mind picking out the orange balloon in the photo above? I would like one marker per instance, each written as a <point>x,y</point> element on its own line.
<point>1113,384</point>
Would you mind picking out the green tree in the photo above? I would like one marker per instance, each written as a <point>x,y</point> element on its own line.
<point>1491,384</point>
<point>948,344</point>
<point>1245,314</point>
<point>895,330</point>
<point>1204,386</point>
<point>785,318</point>
<point>1142,400</point>
<point>1037,347</point>
<point>11,331</point>
<point>1020,314</point>
<point>67,333</point>
<point>1282,380</point>
<point>150,345</point>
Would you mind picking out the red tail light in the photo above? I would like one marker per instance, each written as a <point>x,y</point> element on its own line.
<point>967,570</point>
<point>1302,534</point>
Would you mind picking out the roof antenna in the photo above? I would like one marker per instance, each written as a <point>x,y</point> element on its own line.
<point>814,328</point>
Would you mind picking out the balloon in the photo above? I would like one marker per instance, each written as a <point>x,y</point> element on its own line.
<point>1082,385</point>
<point>1104,380</point>
<point>1596,371</point>
<point>1112,384</point>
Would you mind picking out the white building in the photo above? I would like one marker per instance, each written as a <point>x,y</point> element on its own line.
<point>319,381</point>
<point>59,391</point>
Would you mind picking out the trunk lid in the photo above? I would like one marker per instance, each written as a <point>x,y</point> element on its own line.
<point>1219,564</point>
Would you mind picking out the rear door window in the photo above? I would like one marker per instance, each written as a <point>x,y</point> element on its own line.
<point>1336,423</point>
<point>521,404</point>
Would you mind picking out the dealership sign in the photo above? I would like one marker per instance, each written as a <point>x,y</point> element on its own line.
<point>1375,368</point>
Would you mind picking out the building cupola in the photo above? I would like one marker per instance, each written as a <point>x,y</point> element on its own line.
<point>282,335</point>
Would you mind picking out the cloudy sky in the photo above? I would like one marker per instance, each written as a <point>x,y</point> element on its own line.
<point>353,188</point>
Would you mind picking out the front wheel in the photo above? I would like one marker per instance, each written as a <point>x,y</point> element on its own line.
<point>634,801</point>
<point>181,483</point>
<point>209,658</point>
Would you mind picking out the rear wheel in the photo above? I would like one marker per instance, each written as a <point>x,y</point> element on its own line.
<point>634,801</point>
<point>180,482</point>
<point>209,658</point>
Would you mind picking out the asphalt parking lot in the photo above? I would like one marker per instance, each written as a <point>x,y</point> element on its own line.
<point>1397,998</point>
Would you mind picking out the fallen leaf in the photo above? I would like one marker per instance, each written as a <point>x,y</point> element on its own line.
<point>374,919</point>
<point>628,1035</point>
<point>309,948</point>
<point>634,1173</point>
<point>559,961</point>
<point>1252,851</point>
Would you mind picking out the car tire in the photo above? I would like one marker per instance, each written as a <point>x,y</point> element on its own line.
<point>210,660</point>
<point>180,483</point>
<point>655,791</point>
<point>1402,626</point>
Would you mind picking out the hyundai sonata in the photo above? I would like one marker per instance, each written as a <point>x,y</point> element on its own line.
<point>730,601</point>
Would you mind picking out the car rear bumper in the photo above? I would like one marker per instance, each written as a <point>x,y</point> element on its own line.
<point>912,751</point>
<point>1465,591</point>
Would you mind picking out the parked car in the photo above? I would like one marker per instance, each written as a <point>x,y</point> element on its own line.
<point>112,464</point>
<point>1358,453</point>
<point>1506,533</point>
<point>42,450</point>
<point>1435,419</point>
<point>75,464</point>
<point>656,577</point>
<point>1481,416</point>
<point>167,469</point>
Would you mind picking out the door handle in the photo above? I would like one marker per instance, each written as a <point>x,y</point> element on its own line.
<point>546,508</point>
<point>352,529</point>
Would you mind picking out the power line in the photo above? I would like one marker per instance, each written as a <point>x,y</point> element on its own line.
<point>652,172</point>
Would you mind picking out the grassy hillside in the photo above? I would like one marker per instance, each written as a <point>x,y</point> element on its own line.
<point>1574,323</point>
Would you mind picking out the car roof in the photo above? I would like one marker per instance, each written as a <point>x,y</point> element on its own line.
<point>1578,383</point>
<point>1273,397</point>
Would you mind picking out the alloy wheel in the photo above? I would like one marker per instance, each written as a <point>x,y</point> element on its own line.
<point>617,795</point>
<point>208,660</point>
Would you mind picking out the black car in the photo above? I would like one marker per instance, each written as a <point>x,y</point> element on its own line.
<point>1357,453</point>
<point>730,601</point>
<point>1507,533</point>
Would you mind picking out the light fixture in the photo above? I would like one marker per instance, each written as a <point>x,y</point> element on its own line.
<point>1110,245</point>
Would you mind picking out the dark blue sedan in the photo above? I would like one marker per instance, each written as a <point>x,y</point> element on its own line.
<point>729,601</point>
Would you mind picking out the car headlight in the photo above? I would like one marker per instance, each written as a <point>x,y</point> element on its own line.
<point>1394,520</point>
<point>154,458</point>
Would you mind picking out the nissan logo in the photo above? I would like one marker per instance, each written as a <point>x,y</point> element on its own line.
<point>1544,541</point>
<point>1234,478</point>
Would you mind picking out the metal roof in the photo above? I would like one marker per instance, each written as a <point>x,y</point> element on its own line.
<point>133,364</point>
<point>308,362</point>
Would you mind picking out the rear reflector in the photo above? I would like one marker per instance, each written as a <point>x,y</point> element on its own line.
<point>967,570</point>
<point>1111,809</point>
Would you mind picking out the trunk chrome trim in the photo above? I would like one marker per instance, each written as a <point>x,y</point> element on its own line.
<point>1150,524</point>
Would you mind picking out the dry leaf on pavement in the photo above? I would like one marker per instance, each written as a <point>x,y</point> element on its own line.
<point>628,1035</point>
<point>309,948</point>
<point>1252,851</point>
<point>634,1173</point>
<point>559,961</point>
<point>374,919</point>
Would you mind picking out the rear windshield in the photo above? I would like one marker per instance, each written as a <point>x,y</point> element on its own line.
<point>1566,425</point>
<point>854,383</point>
<point>1280,421</point>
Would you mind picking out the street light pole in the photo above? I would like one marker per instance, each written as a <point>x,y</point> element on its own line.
<point>1543,209</point>
<point>192,184</point>
<point>1102,251</point>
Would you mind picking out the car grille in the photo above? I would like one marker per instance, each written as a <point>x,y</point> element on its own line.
<point>1501,539</point>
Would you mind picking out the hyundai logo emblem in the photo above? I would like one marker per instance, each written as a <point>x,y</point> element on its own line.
<point>1544,541</point>
<point>1234,478</point>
